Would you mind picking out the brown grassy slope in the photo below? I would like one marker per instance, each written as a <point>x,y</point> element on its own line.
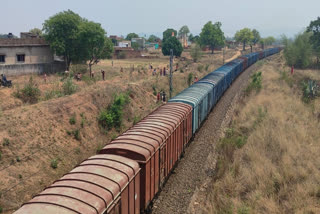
<point>38,133</point>
<point>277,170</point>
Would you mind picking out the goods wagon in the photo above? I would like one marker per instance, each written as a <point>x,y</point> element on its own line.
<point>156,143</point>
<point>197,96</point>
<point>217,81</point>
<point>100,184</point>
<point>252,58</point>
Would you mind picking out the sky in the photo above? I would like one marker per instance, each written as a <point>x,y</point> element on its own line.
<point>145,17</point>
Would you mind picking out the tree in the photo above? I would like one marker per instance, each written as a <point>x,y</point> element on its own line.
<point>244,36</point>
<point>131,36</point>
<point>168,33</point>
<point>153,38</point>
<point>61,31</point>
<point>36,31</point>
<point>269,40</point>
<point>174,44</point>
<point>196,52</point>
<point>212,35</point>
<point>256,36</point>
<point>135,46</point>
<point>298,52</point>
<point>95,44</point>
<point>184,30</point>
<point>314,27</point>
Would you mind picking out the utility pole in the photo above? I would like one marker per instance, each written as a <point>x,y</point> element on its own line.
<point>223,54</point>
<point>170,75</point>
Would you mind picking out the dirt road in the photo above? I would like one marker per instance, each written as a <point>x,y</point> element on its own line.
<point>193,170</point>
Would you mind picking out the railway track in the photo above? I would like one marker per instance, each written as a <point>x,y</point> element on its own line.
<point>194,169</point>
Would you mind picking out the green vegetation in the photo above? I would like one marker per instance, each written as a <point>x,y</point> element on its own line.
<point>212,35</point>
<point>153,38</point>
<point>72,119</point>
<point>18,159</point>
<point>54,163</point>
<point>69,87</point>
<point>131,36</point>
<point>244,36</point>
<point>200,67</point>
<point>136,119</point>
<point>196,53</point>
<point>314,27</point>
<point>310,90</point>
<point>154,89</point>
<point>299,51</point>
<point>76,134</point>
<point>111,117</point>
<point>174,44</point>
<point>0,156</point>
<point>207,67</point>
<point>36,31</point>
<point>89,42</point>
<point>168,34</point>
<point>5,142</point>
<point>30,93</point>
<point>184,30</point>
<point>83,120</point>
<point>20,176</point>
<point>255,84</point>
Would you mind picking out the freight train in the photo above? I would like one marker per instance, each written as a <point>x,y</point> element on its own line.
<point>128,172</point>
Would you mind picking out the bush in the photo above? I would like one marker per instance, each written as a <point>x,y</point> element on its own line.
<point>54,163</point>
<point>5,142</point>
<point>30,92</point>
<point>190,78</point>
<point>122,55</point>
<point>310,90</point>
<point>196,53</point>
<point>255,84</point>
<point>68,86</point>
<point>72,119</point>
<point>136,120</point>
<point>154,90</point>
<point>76,134</point>
<point>298,52</point>
<point>111,117</point>
<point>207,67</point>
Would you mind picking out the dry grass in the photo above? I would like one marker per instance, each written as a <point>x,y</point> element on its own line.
<point>277,169</point>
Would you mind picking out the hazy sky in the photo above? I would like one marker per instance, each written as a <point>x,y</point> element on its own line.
<point>119,17</point>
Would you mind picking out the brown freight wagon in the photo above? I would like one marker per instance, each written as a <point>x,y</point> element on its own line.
<point>245,62</point>
<point>156,143</point>
<point>101,184</point>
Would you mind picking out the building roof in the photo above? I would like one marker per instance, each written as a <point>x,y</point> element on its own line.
<point>13,42</point>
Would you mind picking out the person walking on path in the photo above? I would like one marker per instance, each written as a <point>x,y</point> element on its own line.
<point>196,79</point>
<point>160,71</point>
<point>158,97</point>
<point>164,71</point>
<point>292,70</point>
<point>102,72</point>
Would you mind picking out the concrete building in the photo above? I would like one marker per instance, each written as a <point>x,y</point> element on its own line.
<point>28,55</point>
<point>140,41</point>
<point>124,44</point>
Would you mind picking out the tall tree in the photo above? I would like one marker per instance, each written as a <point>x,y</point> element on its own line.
<point>61,31</point>
<point>269,40</point>
<point>95,44</point>
<point>314,27</point>
<point>212,35</point>
<point>256,36</point>
<point>36,31</point>
<point>244,36</point>
<point>153,38</point>
<point>131,36</point>
<point>174,44</point>
<point>184,30</point>
<point>168,33</point>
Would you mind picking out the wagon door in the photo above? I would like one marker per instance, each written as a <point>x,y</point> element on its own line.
<point>163,160</point>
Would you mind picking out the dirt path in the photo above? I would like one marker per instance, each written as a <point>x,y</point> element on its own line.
<point>193,170</point>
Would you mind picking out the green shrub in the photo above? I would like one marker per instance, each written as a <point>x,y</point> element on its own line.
<point>200,68</point>
<point>5,142</point>
<point>111,117</point>
<point>18,159</point>
<point>76,134</point>
<point>154,90</point>
<point>54,163</point>
<point>181,70</point>
<point>0,209</point>
<point>20,176</point>
<point>196,53</point>
<point>68,86</point>
<point>30,93</point>
<point>72,119</point>
<point>52,94</point>
<point>255,84</point>
<point>310,90</point>
<point>190,78</point>
<point>299,51</point>
<point>0,155</point>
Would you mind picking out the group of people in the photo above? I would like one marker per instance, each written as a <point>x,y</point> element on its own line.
<point>161,96</point>
<point>163,72</point>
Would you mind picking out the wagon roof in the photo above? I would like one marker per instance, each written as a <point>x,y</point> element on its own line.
<point>92,187</point>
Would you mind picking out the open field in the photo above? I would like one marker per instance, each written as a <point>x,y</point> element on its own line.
<point>268,161</point>
<point>36,137</point>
